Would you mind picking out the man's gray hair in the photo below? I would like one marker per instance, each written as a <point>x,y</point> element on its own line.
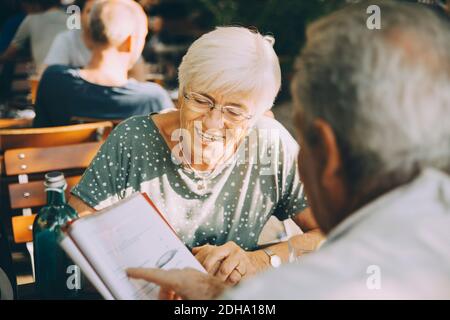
<point>385,93</point>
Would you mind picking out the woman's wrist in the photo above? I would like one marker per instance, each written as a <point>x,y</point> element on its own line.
<point>260,260</point>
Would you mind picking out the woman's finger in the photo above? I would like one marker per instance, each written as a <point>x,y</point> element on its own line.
<point>215,268</point>
<point>234,278</point>
<point>242,268</point>
<point>211,269</point>
<point>216,255</point>
<point>227,266</point>
<point>197,249</point>
<point>202,254</point>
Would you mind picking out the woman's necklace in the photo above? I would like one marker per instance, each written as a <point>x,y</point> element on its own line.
<point>202,177</point>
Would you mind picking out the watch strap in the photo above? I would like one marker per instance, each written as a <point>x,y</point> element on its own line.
<point>269,252</point>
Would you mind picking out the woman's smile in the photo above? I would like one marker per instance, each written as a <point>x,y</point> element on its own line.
<point>207,137</point>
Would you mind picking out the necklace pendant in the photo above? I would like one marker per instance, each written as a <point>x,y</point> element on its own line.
<point>201,185</point>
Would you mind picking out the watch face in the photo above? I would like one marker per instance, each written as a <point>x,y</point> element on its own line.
<point>275,261</point>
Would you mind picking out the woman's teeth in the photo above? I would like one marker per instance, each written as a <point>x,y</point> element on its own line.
<point>209,137</point>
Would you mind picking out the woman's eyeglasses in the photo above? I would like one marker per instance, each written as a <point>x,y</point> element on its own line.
<point>203,104</point>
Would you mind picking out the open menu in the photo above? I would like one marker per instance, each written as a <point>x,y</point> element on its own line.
<point>131,233</point>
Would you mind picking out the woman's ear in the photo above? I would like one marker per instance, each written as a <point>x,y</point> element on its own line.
<point>331,175</point>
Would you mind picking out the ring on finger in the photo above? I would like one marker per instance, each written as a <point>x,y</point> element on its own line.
<point>241,272</point>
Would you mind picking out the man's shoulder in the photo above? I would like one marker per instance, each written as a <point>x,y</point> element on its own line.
<point>46,16</point>
<point>58,14</point>
<point>150,93</point>
<point>58,75</point>
<point>66,36</point>
<point>58,70</point>
<point>149,89</point>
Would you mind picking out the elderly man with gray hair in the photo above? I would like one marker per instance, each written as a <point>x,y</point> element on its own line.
<point>102,90</point>
<point>375,161</point>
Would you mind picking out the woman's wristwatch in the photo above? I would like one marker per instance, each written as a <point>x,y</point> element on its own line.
<point>275,261</point>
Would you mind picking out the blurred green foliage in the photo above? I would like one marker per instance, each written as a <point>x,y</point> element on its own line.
<point>286,20</point>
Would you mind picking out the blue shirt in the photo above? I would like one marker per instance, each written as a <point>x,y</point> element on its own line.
<point>63,94</point>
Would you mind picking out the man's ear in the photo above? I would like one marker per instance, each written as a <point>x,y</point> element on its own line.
<point>126,45</point>
<point>330,154</point>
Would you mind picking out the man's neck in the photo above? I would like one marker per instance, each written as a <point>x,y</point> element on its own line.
<point>363,194</point>
<point>106,68</point>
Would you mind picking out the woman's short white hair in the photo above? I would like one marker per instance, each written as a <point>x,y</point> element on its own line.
<point>233,60</point>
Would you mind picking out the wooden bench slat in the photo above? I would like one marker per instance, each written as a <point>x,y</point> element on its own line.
<point>53,136</point>
<point>36,160</point>
<point>32,194</point>
<point>15,123</point>
<point>21,228</point>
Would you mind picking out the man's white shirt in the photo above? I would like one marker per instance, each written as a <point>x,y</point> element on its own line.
<point>396,247</point>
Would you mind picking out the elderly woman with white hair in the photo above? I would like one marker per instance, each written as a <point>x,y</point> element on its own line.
<point>216,167</point>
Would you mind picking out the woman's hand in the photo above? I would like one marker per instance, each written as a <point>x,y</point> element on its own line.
<point>229,262</point>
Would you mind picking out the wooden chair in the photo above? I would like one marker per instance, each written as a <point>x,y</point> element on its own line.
<point>15,123</point>
<point>81,120</point>
<point>53,136</point>
<point>43,154</point>
<point>14,85</point>
<point>27,195</point>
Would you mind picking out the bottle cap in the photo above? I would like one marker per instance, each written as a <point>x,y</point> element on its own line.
<point>54,179</point>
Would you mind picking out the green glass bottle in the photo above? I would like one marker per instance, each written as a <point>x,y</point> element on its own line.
<point>52,265</point>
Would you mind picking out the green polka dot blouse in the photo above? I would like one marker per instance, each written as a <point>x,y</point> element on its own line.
<point>260,181</point>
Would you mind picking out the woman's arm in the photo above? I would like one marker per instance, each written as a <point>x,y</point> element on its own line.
<point>231,263</point>
<point>309,241</point>
<point>80,206</point>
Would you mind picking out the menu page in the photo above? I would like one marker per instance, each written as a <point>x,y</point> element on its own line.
<point>130,234</point>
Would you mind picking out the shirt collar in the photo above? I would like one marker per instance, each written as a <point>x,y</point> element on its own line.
<point>428,182</point>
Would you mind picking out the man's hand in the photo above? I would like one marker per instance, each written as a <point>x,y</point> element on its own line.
<point>187,283</point>
<point>229,262</point>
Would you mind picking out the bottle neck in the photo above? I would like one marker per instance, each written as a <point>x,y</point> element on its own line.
<point>55,197</point>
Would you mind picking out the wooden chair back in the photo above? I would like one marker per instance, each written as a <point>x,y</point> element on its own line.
<point>6,123</point>
<point>53,136</point>
<point>26,155</point>
<point>83,120</point>
<point>26,195</point>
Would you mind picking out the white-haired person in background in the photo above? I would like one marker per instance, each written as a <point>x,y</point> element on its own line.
<point>71,47</point>
<point>375,161</point>
<point>241,168</point>
<point>102,88</point>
